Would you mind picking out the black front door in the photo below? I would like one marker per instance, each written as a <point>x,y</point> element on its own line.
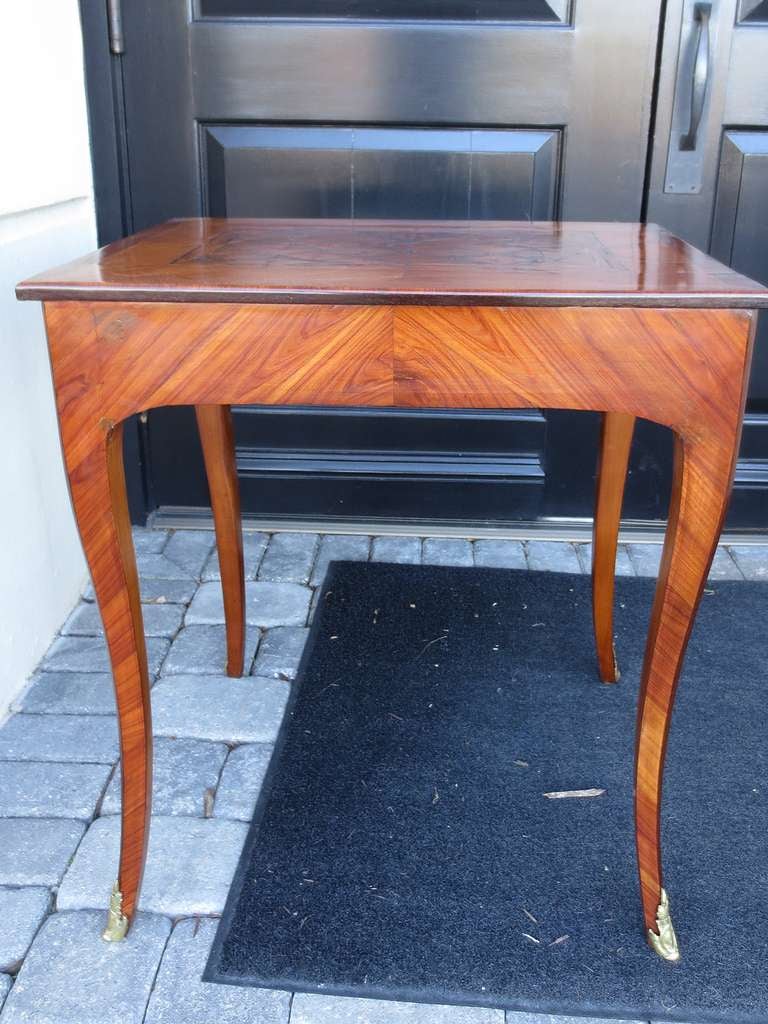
<point>508,109</point>
<point>710,186</point>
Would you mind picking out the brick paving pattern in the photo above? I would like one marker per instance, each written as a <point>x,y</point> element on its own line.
<point>59,781</point>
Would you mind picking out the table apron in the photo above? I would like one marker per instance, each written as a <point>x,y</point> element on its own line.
<point>683,368</point>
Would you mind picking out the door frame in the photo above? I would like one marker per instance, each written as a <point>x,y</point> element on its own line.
<point>112,200</point>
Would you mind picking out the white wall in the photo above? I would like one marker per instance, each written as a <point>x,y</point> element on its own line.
<point>46,218</point>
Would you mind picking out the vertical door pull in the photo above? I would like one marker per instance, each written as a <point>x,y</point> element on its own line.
<point>701,69</point>
<point>115,27</point>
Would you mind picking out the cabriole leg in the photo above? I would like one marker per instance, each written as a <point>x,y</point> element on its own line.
<point>615,443</point>
<point>97,482</point>
<point>216,435</point>
<point>701,485</point>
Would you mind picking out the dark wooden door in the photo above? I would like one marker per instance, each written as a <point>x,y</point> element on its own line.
<point>713,188</point>
<point>532,109</point>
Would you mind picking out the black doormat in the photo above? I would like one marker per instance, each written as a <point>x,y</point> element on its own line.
<point>404,847</point>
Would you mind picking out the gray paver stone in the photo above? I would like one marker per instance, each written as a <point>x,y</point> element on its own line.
<point>254,546</point>
<point>202,650</point>
<point>402,550</point>
<point>724,567</point>
<point>34,789</point>
<point>446,551</point>
<point>655,1020</point>
<point>69,693</point>
<point>624,566</point>
<point>340,547</point>
<point>514,1017</point>
<point>88,739</point>
<point>71,976</point>
<point>159,620</point>
<point>182,558</point>
<point>84,620</point>
<point>35,851</point>
<point>266,605</point>
<point>322,1009</point>
<point>167,591</point>
<point>315,602</point>
<point>180,995</point>
<point>219,708</point>
<point>182,771</point>
<point>752,559</point>
<point>190,864</point>
<point>21,913</point>
<point>190,549</point>
<point>157,591</point>
<point>89,654</point>
<point>500,554</point>
<point>646,558</point>
<point>159,567</point>
<point>149,542</point>
<point>280,652</point>
<point>552,556</point>
<point>289,558</point>
<point>5,988</point>
<point>241,781</point>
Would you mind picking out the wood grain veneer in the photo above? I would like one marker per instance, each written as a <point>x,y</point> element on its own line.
<point>370,262</point>
<point>217,438</point>
<point>616,433</point>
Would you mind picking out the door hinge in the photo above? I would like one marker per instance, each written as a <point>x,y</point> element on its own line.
<point>115,26</point>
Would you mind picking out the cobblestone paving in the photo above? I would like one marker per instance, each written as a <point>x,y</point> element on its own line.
<point>59,791</point>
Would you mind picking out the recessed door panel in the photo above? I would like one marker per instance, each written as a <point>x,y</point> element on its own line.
<point>412,10</point>
<point>753,11</point>
<point>254,171</point>
<point>740,238</point>
<point>740,226</point>
<point>362,73</point>
<point>277,172</point>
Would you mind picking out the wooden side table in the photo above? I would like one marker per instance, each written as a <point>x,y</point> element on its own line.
<point>622,319</point>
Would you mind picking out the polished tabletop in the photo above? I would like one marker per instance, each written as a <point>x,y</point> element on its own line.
<point>401,262</point>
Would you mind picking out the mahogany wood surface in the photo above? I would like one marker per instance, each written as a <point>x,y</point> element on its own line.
<point>416,262</point>
<point>685,368</point>
<point>615,442</point>
<point>214,422</point>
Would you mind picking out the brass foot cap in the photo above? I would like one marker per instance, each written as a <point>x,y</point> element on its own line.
<point>611,675</point>
<point>117,922</point>
<point>664,941</point>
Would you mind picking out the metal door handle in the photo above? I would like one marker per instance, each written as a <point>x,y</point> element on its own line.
<point>701,69</point>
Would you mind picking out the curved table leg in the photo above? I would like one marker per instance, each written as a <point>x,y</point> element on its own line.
<point>97,482</point>
<point>615,442</point>
<point>701,486</point>
<point>216,435</point>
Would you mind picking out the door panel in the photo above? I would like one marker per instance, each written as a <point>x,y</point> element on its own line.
<point>335,172</point>
<point>740,238</point>
<point>481,464</point>
<point>727,214</point>
<point>412,10</point>
<point>387,108</point>
<point>746,99</point>
<point>740,230</point>
<point>345,72</point>
<point>751,11</point>
<point>461,74</point>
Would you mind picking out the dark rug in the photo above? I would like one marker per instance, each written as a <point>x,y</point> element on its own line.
<point>403,847</point>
